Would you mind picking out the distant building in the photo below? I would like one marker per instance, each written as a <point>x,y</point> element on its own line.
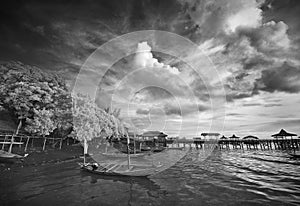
<point>210,134</point>
<point>155,137</point>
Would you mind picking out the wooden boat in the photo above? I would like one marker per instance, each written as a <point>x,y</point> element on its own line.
<point>10,157</point>
<point>137,165</point>
<point>124,155</point>
<point>119,169</point>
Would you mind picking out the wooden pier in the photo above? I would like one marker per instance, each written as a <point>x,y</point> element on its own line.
<point>258,144</point>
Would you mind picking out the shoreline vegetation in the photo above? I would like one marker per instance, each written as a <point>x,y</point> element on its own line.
<point>39,103</point>
<point>35,103</point>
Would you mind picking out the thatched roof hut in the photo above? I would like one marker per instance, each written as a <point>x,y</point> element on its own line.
<point>223,137</point>
<point>283,133</point>
<point>154,134</point>
<point>250,137</point>
<point>234,137</point>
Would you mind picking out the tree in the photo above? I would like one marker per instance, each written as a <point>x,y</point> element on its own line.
<point>42,123</point>
<point>26,89</point>
<point>91,122</point>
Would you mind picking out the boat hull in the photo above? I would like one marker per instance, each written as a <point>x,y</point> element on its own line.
<point>141,172</point>
<point>9,157</point>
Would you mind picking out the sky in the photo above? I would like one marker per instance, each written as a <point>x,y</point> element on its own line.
<point>252,47</point>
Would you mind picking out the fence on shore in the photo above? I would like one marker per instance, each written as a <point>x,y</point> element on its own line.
<point>28,141</point>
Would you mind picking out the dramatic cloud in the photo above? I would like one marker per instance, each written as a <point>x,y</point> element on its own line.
<point>285,78</point>
<point>249,17</point>
<point>270,36</point>
<point>253,44</point>
<point>144,58</point>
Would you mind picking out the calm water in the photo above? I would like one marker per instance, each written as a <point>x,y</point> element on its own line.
<point>225,178</point>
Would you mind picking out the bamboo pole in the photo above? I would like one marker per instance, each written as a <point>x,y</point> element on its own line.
<point>4,141</point>
<point>28,138</point>
<point>32,142</point>
<point>19,127</point>
<point>128,151</point>
<point>21,138</point>
<point>11,144</point>
<point>134,149</point>
<point>85,149</point>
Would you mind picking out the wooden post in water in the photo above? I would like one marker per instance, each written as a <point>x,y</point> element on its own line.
<point>60,144</point>
<point>128,150</point>
<point>44,145</point>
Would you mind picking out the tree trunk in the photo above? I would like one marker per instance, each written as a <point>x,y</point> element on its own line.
<point>19,127</point>
<point>45,139</point>
<point>28,138</point>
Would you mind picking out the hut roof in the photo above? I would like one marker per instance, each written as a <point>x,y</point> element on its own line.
<point>250,137</point>
<point>223,137</point>
<point>234,137</point>
<point>283,133</point>
<point>154,134</point>
<point>209,134</point>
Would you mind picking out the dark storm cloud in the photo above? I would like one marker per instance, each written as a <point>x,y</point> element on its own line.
<point>272,105</point>
<point>251,104</point>
<point>250,63</point>
<point>50,34</point>
<point>142,111</point>
<point>231,96</point>
<point>285,78</point>
<point>287,11</point>
<point>184,109</point>
<point>271,37</point>
<point>60,35</point>
<point>152,94</point>
<point>235,114</point>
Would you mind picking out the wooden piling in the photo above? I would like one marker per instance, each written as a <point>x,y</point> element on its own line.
<point>44,145</point>
<point>60,144</point>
